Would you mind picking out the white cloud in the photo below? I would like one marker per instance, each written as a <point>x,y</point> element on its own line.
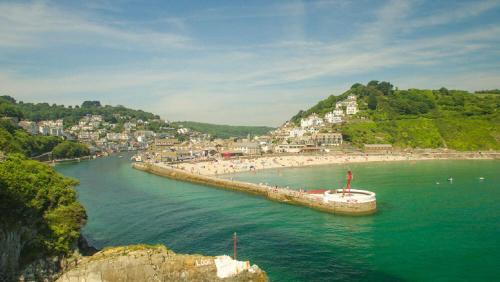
<point>258,84</point>
<point>38,24</point>
<point>464,11</point>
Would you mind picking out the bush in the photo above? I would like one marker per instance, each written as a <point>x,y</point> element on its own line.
<point>69,150</point>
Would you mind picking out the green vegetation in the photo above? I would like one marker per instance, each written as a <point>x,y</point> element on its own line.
<point>224,131</point>
<point>15,140</point>
<point>71,115</point>
<point>69,150</point>
<point>492,91</point>
<point>39,209</point>
<point>418,118</point>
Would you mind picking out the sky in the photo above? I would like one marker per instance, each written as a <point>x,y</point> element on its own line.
<point>241,62</point>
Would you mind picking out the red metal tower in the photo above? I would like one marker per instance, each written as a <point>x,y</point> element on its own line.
<point>348,185</point>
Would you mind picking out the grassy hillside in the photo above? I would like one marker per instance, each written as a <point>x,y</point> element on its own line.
<point>418,118</point>
<point>224,131</point>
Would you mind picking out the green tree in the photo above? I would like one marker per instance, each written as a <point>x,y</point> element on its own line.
<point>39,213</point>
<point>372,101</point>
<point>385,87</point>
<point>10,110</point>
<point>91,104</point>
<point>373,83</point>
<point>69,149</point>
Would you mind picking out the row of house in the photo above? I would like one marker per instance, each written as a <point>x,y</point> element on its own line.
<point>171,149</point>
<point>336,116</point>
<point>46,127</point>
<point>98,134</point>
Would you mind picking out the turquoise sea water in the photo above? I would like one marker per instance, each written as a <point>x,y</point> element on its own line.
<point>423,231</point>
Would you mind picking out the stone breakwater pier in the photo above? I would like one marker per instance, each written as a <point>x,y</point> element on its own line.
<point>358,202</point>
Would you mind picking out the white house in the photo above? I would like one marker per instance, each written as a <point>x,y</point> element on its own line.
<point>297,132</point>
<point>310,121</point>
<point>50,127</point>
<point>113,136</point>
<point>333,118</point>
<point>338,112</point>
<point>352,108</point>
<point>289,148</point>
<point>328,139</point>
<point>247,148</point>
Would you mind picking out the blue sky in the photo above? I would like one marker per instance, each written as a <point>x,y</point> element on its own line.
<point>240,62</point>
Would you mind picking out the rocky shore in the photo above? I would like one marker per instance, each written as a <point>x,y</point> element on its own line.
<point>140,263</point>
<point>156,263</point>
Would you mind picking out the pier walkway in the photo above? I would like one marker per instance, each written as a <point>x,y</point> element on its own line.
<point>359,202</point>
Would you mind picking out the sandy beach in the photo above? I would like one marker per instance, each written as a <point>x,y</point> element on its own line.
<point>227,166</point>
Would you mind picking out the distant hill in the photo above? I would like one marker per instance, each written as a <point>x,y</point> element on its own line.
<point>418,118</point>
<point>224,131</point>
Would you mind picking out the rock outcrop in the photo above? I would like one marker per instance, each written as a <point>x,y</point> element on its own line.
<point>155,263</point>
<point>49,268</point>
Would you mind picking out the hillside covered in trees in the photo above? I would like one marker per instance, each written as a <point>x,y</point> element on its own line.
<point>224,131</point>
<point>418,118</point>
<point>70,114</point>
<point>14,139</point>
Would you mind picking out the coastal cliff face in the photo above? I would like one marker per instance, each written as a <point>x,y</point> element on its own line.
<point>151,263</point>
<point>10,251</point>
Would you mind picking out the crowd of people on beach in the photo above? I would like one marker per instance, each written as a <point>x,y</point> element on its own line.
<point>223,166</point>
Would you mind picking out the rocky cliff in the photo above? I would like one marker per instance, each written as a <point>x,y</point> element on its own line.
<point>157,263</point>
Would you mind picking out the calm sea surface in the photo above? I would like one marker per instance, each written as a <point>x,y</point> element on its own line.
<point>422,231</point>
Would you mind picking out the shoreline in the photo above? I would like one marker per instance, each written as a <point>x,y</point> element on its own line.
<point>247,164</point>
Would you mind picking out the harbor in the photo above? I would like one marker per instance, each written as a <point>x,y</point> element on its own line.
<point>129,206</point>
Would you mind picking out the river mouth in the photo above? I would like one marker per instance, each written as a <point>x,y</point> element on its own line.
<point>419,224</point>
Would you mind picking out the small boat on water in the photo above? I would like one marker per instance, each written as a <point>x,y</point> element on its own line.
<point>481,178</point>
<point>450,179</point>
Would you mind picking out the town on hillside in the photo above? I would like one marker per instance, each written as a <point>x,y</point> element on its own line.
<point>314,134</point>
<point>169,142</point>
<point>348,123</point>
<point>103,137</point>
